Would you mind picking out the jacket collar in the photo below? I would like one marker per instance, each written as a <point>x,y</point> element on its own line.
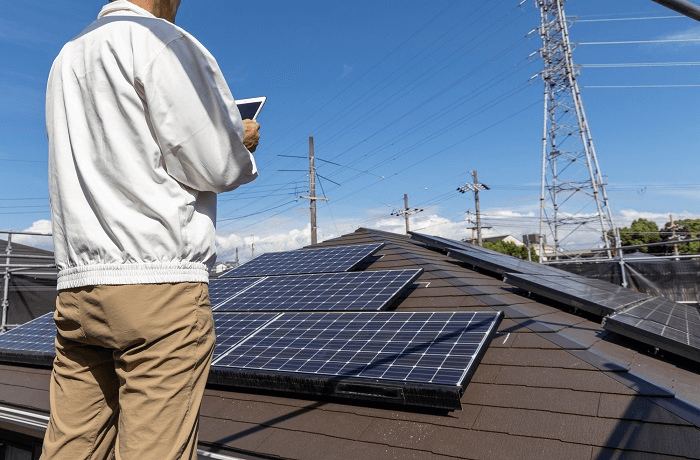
<point>123,5</point>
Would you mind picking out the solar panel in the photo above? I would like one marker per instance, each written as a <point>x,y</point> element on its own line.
<point>422,359</point>
<point>594,296</point>
<point>661,323</point>
<point>321,260</point>
<point>370,290</point>
<point>31,343</point>
<point>503,263</point>
<point>417,359</point>
<point>446,243</point>
<point>486,258</point>
<point>223,289</point>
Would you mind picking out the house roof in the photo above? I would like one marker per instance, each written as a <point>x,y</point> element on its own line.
<point>496,239</point>
<point>553,384</point>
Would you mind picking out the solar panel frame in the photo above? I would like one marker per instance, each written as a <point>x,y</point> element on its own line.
<point>345,291</point>
<point>31,343</point>
<point>306,261</point>
<point>367,358</point>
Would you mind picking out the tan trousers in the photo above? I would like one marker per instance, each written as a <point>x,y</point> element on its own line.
<point>130,369</point>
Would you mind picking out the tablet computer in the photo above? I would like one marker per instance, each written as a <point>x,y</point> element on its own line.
<point>250,108</point>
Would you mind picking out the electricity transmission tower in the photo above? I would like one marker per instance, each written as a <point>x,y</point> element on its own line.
<point>573,197</point>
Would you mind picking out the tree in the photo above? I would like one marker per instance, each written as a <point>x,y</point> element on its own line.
<point>512,250</point>
<point>684,229</point>
<point>641,231</point>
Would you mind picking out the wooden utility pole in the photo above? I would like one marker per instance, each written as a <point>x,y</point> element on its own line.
<point>405,209</point>
<point>475,187</point>
<point>478,211</point>
<point>674,238</point>
<point>312,191</point>
<point>405,212</point>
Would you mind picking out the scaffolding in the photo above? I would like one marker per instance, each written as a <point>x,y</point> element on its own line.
<point>21,263</point>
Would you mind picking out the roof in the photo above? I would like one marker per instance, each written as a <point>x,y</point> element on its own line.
<point>506,238</point>
<point>553,384</point>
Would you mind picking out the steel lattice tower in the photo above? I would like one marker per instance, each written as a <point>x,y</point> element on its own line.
<point>573,196</point>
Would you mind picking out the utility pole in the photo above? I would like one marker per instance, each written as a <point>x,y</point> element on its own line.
<point>475,187</point>
<point>312,191</point>
<point>674,238</point>
<point>573,192</point>
<point>406,211</point>
<point>237,260</point>
<point>252,248</point>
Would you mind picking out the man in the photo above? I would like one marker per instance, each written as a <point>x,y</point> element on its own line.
<point>143,132</point>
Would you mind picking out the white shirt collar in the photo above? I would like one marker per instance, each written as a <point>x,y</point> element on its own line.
<point>123,5</point>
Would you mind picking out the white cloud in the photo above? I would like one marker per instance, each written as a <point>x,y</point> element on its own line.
<point>42,226</point>
<point>627,216</point>
<point>282,240</point>
<point>495,222</point>
<point>689,34</point>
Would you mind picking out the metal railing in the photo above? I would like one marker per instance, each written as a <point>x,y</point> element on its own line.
<point>620,257</point>
<point>9,268</point>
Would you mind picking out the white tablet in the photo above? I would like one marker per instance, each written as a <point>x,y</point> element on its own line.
<point>250,108</point>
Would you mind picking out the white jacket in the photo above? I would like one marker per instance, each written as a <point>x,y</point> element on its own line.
<point>143,133</point>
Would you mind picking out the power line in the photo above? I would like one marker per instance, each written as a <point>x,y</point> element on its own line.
<point>579,21</point>
<point>638,86</point>
<point>255,213</point>
<point>636,42</point>
<point>639,64</point>
<point>23,161</point>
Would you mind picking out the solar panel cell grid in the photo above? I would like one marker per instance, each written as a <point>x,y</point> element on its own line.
<point>661,323</point>
<point>322,260</point>
<point>322,292</point>
<point>416,347</point>
<point>32,342</point>
<point>233,327</point>
<point>222,289</point>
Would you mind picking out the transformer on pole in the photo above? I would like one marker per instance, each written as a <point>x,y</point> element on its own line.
<point>475,187</point>
<point>573,196</point>
<point>406,211</point>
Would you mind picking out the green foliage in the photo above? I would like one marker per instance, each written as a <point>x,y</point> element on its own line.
<point>641,231</point>
<point>685,229</point>
<point>644,231</point>
<point>512,250</point>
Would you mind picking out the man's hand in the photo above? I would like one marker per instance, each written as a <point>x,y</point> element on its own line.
<point>251,134</point>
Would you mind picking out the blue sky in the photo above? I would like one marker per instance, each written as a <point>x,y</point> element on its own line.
<point>401,96</point>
